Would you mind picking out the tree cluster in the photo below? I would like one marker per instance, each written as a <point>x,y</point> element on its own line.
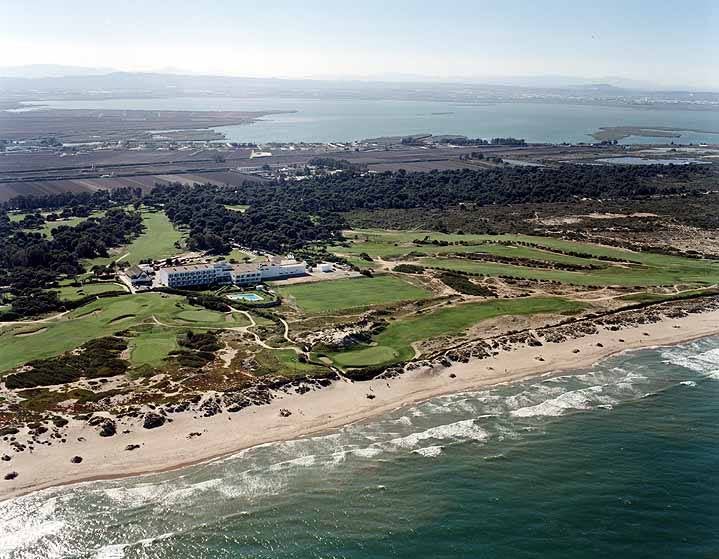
<point>30,260</point>
<point>97,200</point>
<point>275,226</point>
<point>349,191</point>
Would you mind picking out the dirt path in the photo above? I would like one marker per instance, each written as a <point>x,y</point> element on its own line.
<point>258,340</point>
<point>37,321</point>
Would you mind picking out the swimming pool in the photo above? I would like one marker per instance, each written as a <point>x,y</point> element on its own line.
<point>253,297</point>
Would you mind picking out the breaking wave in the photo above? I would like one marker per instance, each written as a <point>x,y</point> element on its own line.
<point>429,451</point>
<point>705,363</point>
<point>482,422</point>
<point>461,430</point>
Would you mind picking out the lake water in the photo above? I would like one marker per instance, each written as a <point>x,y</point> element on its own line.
<point>618,461</point>
<point>338,120</point>
<point>646,161</point>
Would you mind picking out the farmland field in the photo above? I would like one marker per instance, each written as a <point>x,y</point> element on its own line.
<point>340,294</point>
<point>395,342</point>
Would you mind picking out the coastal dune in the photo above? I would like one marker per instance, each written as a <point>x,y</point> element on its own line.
<point>191,439</point>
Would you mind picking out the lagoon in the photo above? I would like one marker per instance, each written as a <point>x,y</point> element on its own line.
<point>338,120</point>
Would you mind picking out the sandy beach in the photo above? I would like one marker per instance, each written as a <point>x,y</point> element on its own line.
<point>191,439</point>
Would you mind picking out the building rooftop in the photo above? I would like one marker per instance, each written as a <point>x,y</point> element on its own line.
<point>245,268</point>
<point>134,271</point>
<point>189,268</point>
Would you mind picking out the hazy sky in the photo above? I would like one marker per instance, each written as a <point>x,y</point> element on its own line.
<point>655,40</point>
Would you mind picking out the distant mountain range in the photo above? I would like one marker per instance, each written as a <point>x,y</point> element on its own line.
<point>546,81</point>
<point>33,71</point>
<point>55,71</point>
<point>39,82</point>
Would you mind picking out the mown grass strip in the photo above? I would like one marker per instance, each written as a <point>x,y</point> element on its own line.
<point>395,342</point>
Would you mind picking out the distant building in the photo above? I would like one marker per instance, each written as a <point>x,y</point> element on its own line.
<point>279,268</point>
<point>325,267</point>
<point>256,154</point>
<point>223,272</point>
<point>138,276</point>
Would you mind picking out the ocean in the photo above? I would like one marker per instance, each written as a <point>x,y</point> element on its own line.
<point>341,120</point>
<point>621,460</point>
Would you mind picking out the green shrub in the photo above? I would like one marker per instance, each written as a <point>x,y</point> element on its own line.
<point>95,359</point>
<point>409,269</point>
<point>464,285</point>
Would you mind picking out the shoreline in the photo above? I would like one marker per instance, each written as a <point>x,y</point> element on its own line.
<point>171,447</point>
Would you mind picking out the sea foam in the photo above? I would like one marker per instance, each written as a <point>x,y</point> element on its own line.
<point>429,451</point>
<point>460,430</point>
<point>573,400</point>
<point>705,363</point>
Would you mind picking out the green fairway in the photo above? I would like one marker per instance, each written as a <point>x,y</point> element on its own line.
<point>158,240</point>
<point>643,268</point>
<point>340,294</point>
<point>151,348</point>
<point>155,243</point>
<point>648,268</point>
<point>197,315</point>
<point>105,317</point>
<point>656,297</point>
<point>70,293</point>
<point>395,342</point>
<point>686,271</point>
<point>284,362</point>
<point>50,225</point>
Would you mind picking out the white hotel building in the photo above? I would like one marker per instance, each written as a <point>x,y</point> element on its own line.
<point>224,272</point>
